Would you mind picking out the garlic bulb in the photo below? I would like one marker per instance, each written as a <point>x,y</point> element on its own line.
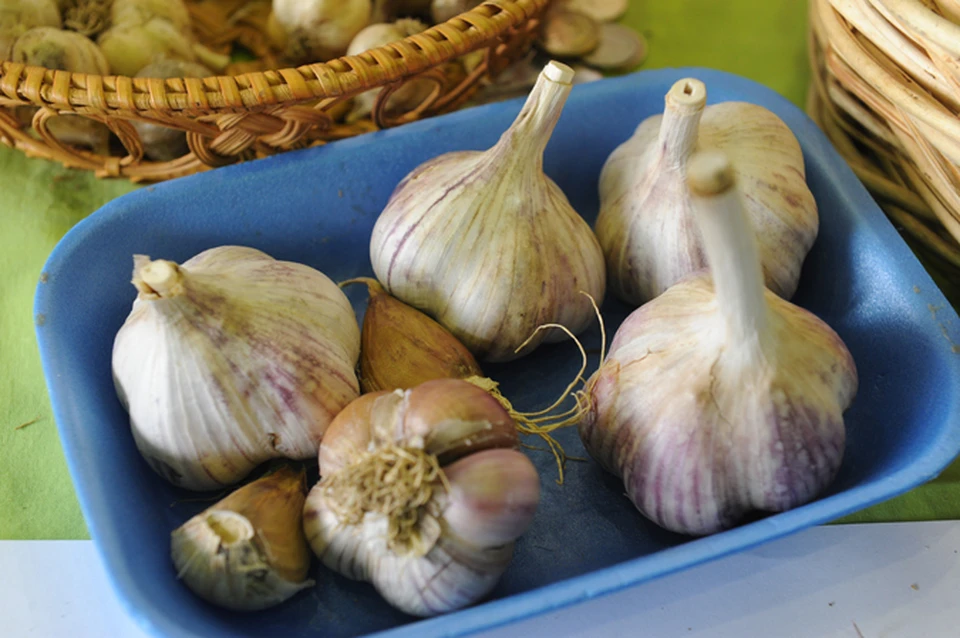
<point>443,10</point>
<point>88,17</point>
<point>319,30</point>
<point>231,359</point>
<point>162,143</point>
<point>131,47</point>
<point>248,551</point>
<point>718,397</point>
<point>66,51</point>
<point>19,16</point>
<point>136,12</point>
<point>645,225</point>
<point>488,245</point>
<point>422,494</point>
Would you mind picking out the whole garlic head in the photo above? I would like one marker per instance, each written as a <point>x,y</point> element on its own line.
<point>422,495</point>
<point>718,397</point>
<point>646,227</point>
<point>231,359</point>
<point>19,16</point>
<point>487,244</point>
<point>319,30</point>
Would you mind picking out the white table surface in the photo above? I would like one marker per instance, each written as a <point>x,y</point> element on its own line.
<point>896,580</point>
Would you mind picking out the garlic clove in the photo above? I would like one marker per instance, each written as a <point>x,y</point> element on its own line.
<point>443,10</point>
<point>319,30</point>
<point>349,434</point>
<point>455,418</point>
<point>230,359</point>
<point>248,551</point>
<point>493,496</point>
<point>455,238</point>
<point>646,226</point>
<point>718,398</point>
<point>401,347</point>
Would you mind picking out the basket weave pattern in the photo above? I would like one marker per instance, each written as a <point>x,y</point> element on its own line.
<point>258,113</point>
<point>886,90</point>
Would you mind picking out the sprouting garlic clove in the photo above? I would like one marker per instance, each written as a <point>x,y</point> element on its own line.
<point>719,398</point>
<point>378,513</point>
<point>487,244</point>
<point>400,347</point>
<point>493,496</point>
<point>248,551</point>
<point>230,359</point>
<point>645,226</point>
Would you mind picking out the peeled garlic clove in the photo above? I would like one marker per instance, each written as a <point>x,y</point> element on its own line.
<point>719,398</point>
<point>379,513</point>
<point>248,551</point>
<point>319,30</point>
<point>646,226</point>
<point>493,496</point>
<point>162,143</point>
<point>231,359</point>
<point>488,245</point>
<point>400,347</point>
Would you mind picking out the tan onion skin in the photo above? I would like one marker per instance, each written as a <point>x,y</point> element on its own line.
<point>494,494</point>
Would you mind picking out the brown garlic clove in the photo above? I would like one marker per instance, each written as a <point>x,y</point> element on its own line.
<point>248,551</point>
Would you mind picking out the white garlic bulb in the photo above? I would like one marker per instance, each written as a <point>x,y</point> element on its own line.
<point>319,30</point>
<point>19,16</point>
<point>646,226</point>
<point>162,143</point>
<point>248,551</point>
<point>231,359</point>
<point>488,245</point>
<point>422,495</point>
<point>408,96</point>
<point>719,398</point>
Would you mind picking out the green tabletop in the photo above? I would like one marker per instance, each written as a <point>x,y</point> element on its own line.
<point>761,39</point>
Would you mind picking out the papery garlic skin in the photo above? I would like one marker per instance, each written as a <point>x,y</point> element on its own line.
<point>240,359</point>
<point>715,401</point>
<point>488,245</point>
<point>248,551</point>
<point>645,225</point>
<point>319,30</point>
<point>465,537</point>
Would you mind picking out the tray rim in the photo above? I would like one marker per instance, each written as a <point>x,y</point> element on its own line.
<point>495,613</point>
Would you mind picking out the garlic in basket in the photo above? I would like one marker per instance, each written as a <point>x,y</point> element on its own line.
<point>248,551</point>
<point>19,16</point>
<point>162,143</point>
<point>408,96</point>
<point>66,51</point>
<point>646,226</point>
<point>487,244</point>
<point>231,359</point>
<point>144,31</point>
<point>422,494</point>
<point>319,30</point>
<point>719,398</point>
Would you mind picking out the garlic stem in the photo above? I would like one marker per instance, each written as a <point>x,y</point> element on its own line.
<point>158,279</point>
<point>525,141</point>
<point>731,249</point>
<point>373,286</point>
<point>680,126</point>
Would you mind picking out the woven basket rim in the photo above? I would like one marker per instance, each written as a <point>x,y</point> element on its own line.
<point>65,91</point>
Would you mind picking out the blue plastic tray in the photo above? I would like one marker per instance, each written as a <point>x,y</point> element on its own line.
<point>318,206</point>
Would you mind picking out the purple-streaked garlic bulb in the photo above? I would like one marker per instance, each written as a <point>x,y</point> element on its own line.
<point>422,494</point>
<point>646,225</point>
<point>719,398</point>
<point>487,244</point>
<point>231,359</point>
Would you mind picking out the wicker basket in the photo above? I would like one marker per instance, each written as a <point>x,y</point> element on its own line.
<point>254,111</point>
<point>886,90</point>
